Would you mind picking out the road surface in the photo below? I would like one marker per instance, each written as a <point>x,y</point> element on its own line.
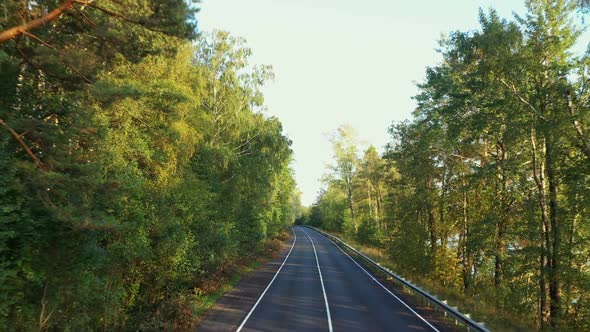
<point>318,287</point>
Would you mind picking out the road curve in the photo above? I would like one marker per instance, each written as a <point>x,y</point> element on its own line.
<point>320,288</point>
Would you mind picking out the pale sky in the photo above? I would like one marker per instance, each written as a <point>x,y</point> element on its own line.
<point>342,61</point>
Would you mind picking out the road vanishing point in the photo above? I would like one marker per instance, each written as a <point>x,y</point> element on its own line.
<point>319,287</point>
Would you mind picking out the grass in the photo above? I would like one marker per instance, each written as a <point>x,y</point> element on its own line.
<point>206,301</point>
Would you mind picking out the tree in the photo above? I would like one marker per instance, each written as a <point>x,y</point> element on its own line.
<point>344,144</point>
<point>371,174</point>
<point>122,190</point>
<point>486,186</point>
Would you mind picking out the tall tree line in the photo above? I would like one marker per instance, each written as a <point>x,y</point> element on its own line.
<point>135,158</point>
<point>487,189</point>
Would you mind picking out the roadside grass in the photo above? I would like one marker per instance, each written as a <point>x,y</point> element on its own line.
<point>481,308</point>
<point>228,276</point>
<point>204,301</point>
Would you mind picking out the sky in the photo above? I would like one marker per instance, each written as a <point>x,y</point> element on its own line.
<point>342,62</point>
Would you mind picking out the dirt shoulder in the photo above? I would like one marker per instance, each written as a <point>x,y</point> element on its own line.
<point>229,311</point>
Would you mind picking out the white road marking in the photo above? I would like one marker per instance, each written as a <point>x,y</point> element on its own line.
<point>380,284</point>
<point>267,287</point>
<point>322,282</point>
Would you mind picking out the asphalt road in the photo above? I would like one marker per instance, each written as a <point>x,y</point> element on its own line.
<point>320,288</point>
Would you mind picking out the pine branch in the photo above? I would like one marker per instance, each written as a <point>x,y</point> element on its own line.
<point>13,32</point>
<point>84,16</point>
<point>39,68</point>
<point>19,139</point>
<point>62,56</point>
<point>119,16</point>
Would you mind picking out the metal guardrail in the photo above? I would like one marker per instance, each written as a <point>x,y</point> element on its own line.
<point>452,311</point>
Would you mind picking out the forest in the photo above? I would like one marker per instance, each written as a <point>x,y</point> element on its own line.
<point>484,195</point>
<point>136,160</point>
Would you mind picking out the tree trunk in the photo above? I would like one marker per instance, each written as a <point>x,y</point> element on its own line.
<point>369,198</point>
<point>443,190</point>
<point>432,229</point>
<point>501,220</point>
<point>582,140</point>
<point>570,253</point>
<point>555,262</point>
<point>350,200</point>
<point>382,225</point>
<point>466,260</point>
<point>539,177</point>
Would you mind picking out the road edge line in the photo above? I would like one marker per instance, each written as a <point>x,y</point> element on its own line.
<point>322,282</point>
<point>380,284</point>
<point>269,284</point>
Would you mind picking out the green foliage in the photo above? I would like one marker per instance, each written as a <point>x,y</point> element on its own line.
<point>154,167</point>
<point>484,193</point>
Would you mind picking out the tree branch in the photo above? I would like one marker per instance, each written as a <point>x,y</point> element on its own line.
<point>38,67</point>
<point>585,147</point>
<point>19,139</point>
<point>524,101</point>
<point>63,58</point>
<point>9,34</point>
<point>84,16</point>
<point>119,16</point>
